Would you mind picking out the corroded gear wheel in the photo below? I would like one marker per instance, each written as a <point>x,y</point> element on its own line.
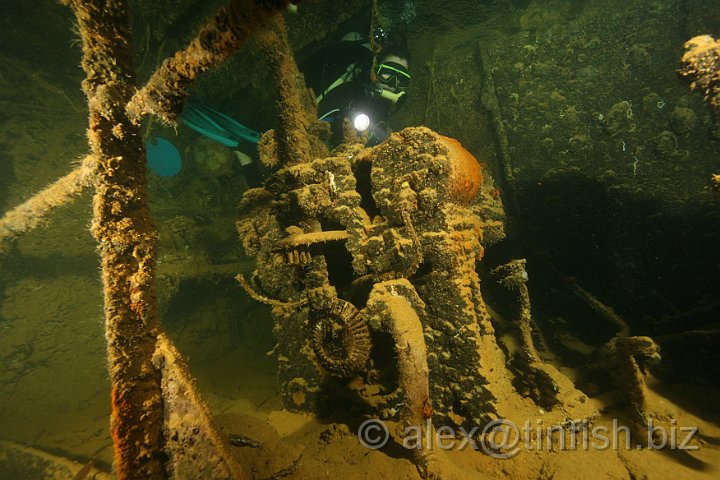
<point>340,338</point>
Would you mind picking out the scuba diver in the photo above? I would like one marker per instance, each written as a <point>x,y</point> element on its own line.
<point>352,84</point>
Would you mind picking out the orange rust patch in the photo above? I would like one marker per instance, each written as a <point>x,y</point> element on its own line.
<point>427,409</point>
<point>120,438</point>
<point>465,174</point>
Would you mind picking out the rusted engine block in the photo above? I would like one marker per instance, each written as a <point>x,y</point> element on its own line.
<point>336,238</point>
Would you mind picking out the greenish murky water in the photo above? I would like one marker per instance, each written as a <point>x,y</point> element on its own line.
<point>610,156</point>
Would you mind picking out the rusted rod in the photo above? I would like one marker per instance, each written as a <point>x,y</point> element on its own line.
<point>34,211</point>
<point>126,237</point>
<point>165,92</point>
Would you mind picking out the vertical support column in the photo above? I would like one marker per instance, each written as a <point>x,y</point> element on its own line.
<point>296,109</point>
<point>126,237</point>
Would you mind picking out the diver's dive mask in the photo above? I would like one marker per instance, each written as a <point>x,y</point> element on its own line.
<point>393,75</point>
<point>393,80</point>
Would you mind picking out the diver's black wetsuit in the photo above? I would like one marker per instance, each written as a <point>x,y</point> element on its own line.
<point>349,64</point>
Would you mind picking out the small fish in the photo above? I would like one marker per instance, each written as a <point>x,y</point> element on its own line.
<point>237,440</point>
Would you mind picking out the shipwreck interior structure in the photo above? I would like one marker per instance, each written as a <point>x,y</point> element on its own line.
<point>398,277</point>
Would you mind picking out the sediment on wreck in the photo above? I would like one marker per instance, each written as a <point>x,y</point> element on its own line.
<point>406,221</point>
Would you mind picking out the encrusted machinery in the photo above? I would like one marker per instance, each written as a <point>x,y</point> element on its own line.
<point>341,240</point>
